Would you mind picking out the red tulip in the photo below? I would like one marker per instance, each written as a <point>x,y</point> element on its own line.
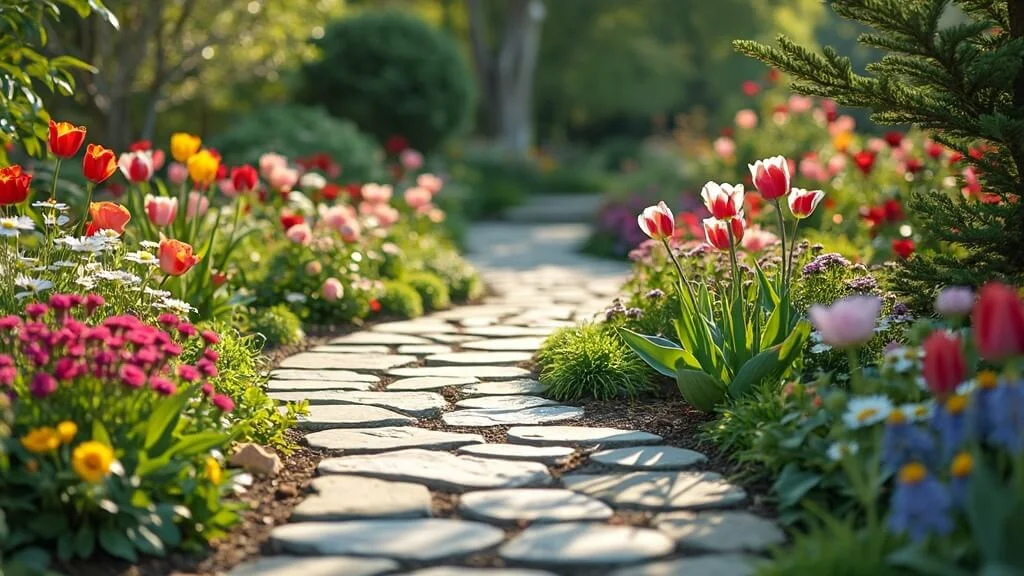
<point>893,210</point>
<point>657,221</point>
<point>65,138</point>
<point>751,88</point>
<point>244,178</point>
<point>14,185</point>
<point>894,138</point>
<point>904,247</point>
<point>176,258</point>
<point>914,165</point>
<point>998,322</point>
<point>934,150</point>
<point>98,164</point>
<point>330,192</point>
<point>140,146</point>
<point>944,364</point>
<point>803,202</point>
<point>136,166</point>
<point>107,216</point>
<point>395,144</point>
<point>717,231</point>
<point>865,161</point>
<point>771,177</point>
<point>289,220</point>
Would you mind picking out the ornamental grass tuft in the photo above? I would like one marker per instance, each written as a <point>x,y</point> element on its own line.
<point>591,361</point>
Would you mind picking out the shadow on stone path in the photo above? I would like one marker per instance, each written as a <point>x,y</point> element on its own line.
<point>415,408</point>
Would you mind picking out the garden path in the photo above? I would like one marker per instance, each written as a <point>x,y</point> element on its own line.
<point>451,462</point>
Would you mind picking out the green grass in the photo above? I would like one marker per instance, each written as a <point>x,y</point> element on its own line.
<point>591,361</point>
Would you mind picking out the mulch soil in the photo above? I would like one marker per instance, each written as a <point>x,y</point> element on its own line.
<point>268,502</point>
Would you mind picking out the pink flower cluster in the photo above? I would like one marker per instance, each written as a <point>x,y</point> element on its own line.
<point>51,348</point>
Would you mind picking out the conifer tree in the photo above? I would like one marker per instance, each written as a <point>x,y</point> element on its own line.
<point>963,83</point>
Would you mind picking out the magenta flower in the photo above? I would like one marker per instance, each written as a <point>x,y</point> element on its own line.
<point>132,376</point>
<point>93,302</point>
<point>162,386</point>
<point>188,373</point>
<point>36,310</point>
<point>210,337</point>
<point>225,403</point>
<point>43,385</point>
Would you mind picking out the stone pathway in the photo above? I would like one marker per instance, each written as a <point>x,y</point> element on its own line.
<point>449,457</point>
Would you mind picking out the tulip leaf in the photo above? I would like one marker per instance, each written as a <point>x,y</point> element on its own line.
<point>699,389</point>
<point>770,363</point>
<point>661,354</point>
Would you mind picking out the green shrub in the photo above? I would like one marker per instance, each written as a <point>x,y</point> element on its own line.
<point>278,325</point>
<point>401,299</point>
<point>432,290</point>
<point>591,361</point>
<point>392,74</point>
<point>298,131</point>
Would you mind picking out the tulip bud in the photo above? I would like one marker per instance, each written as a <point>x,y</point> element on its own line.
<point>954,302</point>
<point>998,322</point>
<point>803,202</point>
<point>848,322</point>
<point>944,364</point>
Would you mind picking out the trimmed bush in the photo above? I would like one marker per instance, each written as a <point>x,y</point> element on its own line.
<point>298,131</point>
<point>431,289</point>
<point>277,324</point>
<point>591,361</point>
<point>392,74</point>
<point>401,299</point>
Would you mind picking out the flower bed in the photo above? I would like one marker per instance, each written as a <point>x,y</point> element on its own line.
<point>132,326</point>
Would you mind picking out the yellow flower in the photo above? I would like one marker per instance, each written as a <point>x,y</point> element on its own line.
<point>91,461</point>
<point>184,146</point>
<point>213,471</point>
<point>41,440</point>
<point>842,140</point>
<point>962,465</point>
<point>202,167</point>
<point>67,430</point>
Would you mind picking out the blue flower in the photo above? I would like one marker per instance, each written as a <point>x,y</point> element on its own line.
<point>920,504</point>
<point>960,473</point>
<point>904,442</point>
<point>950,421</point>
<point>1006,417</point>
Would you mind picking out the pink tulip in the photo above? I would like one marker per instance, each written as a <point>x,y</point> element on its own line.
<point>177,173</point>
<point>799,104</point>
<point>716,232</point>
<point>136,166</point>
<point>198,204</point>
<point>417,197</point>
<point>771,177</point>
<point>657,221</point>
<point>724,147</point>
<point>724,201</point>
<point>430,182</point>
<point>746,119</point>
<point>848,322</point>
<point>161,210</point>
<point>411,159</point>
<point>227,188</point>
<point>756,239</point>
<point>270,162</point>
<point>300,234</point>
<point>376,193</point>
<point>158,159</point>
<point>332,289</point>
<point>803,202</point>
<point>283,178</point>
<point>955,302</point>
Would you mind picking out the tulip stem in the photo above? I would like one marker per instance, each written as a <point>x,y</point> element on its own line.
<point>735,266</point>
<point>89,188</point>
<point>787,280</point>
<point>679,270</point>
<point>782,235</point>
<point>56,172</point>
<point>856,382</point>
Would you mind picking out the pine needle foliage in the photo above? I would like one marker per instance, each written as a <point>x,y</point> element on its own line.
<point>964,83</point>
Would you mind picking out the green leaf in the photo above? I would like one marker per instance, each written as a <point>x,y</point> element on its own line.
<point>147,542</point>
<point>986,511</point>
<point>117,544</point>
<point>920,560</point>
<point>699,389</point>
<point>100,434</point>
<point>661,354</point>
<point>199,443</point>
<point>85,542</point>
<point>164,418</point>
<point>772,363</point>
<point>793,484</point>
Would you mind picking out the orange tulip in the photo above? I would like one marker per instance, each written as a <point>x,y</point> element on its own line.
<point>107,216</point>
<point>99,163</point>
<point>14,185</point>
<point>65,138</point>
<point>176,257</point>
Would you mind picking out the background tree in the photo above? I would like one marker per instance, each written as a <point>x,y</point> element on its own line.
<point>962,81</point>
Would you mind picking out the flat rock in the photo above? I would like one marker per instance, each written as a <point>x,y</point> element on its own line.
<point>485,310</point>
<point>326,375</point>
<point>544,454</point>
<point>579,436</point>
<point>509,402</point>
<point>367,338</point>
<point>424,349</point>
<point>480,372</point>
<point>351,349</point>
<point>415,404</point>
<point>354,497</point>
<point>430,382</point>
<point>466,571</point>
<point>368,362</point>
<point>502,331</point>
<point>446,338</point>
<point>414,540</point>
<point>725,531</point>
<point>479,321</point>
<point>512,387</point>
<point>521,344</point>
<point>585,544</point>
<point>372,440</point>
<point>441,470</point>
<point>649,458</point>
<point>298,566</point>
<point>317,385</point>
<point>709,565</point>
<point>416,327</point>
<point>480,417</point>
<point>350,416</point>
<point>477,358</point>
<point>532,505</point>
<point>659,490</point>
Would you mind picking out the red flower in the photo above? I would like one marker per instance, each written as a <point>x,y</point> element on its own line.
<point>873,215</point>
<point>65,138</point>
<point>107,216</point>
<point>944,364</point>
<point>140,146</point>
<point>330,192</point>
<point>14,185</point>
<point>395,144</point>
<point>914,165</point>
<point>375,305</point>
<point>244,178</point>
<point>751,88</point>
<point>894,138</point>
<point>176,258</point>
<point>99,163</point>
<point>355,191</point>
<point>289,220</point>
<point>955,157</point>
<point>934,150</point>
<point>716,232</point>
<point>657,221</point>
<point>865,161</point>
<point>893,210</point>
<point>904,247</point>
<point>773,76</point>
<point>998,322</point>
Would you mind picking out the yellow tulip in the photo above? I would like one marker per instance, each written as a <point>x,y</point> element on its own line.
<point>184,145</point>
<point>92,460</point>
<point>202,167</point>
<point>842,140</point>
<point>41,440</point>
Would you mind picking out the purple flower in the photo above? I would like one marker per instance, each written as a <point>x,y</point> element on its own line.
<point>920,504</point>
<point>862,284</point>
<point>905,442</point>
<point>1006,417</point>
<point>654,294</point>
<point>950,421</point>
<point>823,262</point>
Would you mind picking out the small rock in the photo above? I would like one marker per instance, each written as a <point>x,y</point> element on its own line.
<point>256,459</point>
<point>286,491</point>
<point>649,458</point>
<point>709,565</point>
<point>726,531</point>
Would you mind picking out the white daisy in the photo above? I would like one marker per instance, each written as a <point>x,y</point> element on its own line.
<point>27,259</point>
<point>839,450</point>
<point>901,360</point>
<point>965,388</point>
<point>50,204</point>
<point>156,293</point>
<point>118,276</point>
<point>63,264</point>
<point>149,244</point>
<point>90,244</point>
<point>918,412</point>
<point>32,286</point>
<point>864,411</point>
<point>51,220</point>
<point>175,305</point>
<point>14,225</point>
<point>142,257</point>
<point>294,298</point>
<point>820,348</point>
<point>108,234</point>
